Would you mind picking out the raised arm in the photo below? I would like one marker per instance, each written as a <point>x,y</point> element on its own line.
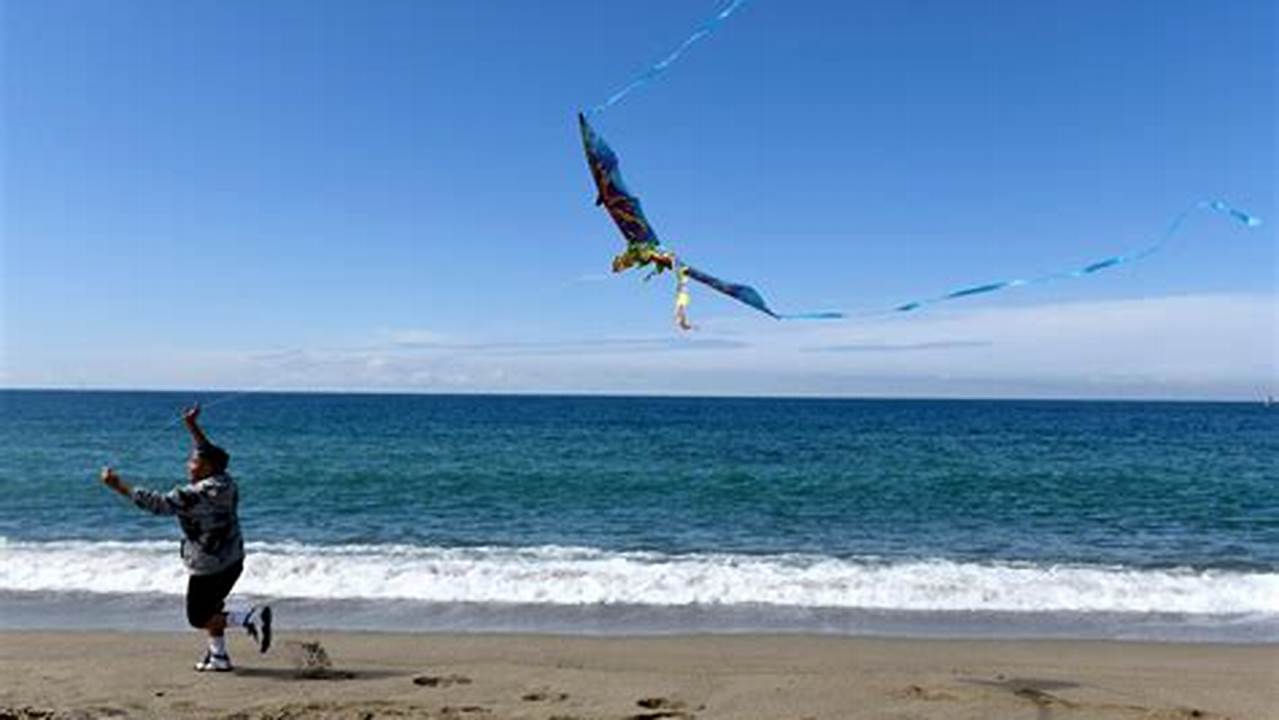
<point>190,418</point>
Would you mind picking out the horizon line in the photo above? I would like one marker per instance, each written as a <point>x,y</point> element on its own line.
<point>1261,397</point>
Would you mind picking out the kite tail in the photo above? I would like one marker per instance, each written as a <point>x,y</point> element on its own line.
<point>1093,267</point>
<point>727,8</point>
<point>823,315</point>
<point>744,294</point>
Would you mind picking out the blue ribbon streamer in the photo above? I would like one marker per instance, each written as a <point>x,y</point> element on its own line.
<point>705,29</point>
<point>750,296</point>
<point>1093,267</point>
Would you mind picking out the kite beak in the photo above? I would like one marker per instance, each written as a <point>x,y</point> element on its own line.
<point>622,261</point>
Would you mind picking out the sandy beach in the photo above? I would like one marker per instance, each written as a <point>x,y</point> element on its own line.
<point>544,677</point>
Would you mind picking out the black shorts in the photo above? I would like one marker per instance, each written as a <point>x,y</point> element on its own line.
<point>205,593</point>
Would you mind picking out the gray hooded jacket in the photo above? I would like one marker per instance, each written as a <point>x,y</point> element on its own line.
<point>206,510</point>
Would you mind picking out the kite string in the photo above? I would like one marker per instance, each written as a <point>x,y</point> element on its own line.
<point>727,8</point>
<point>117,459</point>
<point>1093,267</point>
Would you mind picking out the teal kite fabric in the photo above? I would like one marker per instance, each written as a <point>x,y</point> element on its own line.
<point>642,245</point>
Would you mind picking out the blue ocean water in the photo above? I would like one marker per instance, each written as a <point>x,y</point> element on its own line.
<point>1087,518</point>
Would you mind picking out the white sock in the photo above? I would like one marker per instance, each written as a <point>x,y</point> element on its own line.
<point>237,618</point>
<point>217,645</point>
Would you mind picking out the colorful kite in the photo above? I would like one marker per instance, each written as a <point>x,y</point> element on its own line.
<point>643,248</point>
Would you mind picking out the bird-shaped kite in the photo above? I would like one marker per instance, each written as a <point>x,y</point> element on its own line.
<point>643,248</point>
<point>642,245</point>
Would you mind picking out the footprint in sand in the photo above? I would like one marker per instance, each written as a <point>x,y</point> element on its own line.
<point>544,695</point>
<point>448,712</point>
<point>915,692</point>
<point>25,713</point>
<point>441,681</point>
<point>661,708</point>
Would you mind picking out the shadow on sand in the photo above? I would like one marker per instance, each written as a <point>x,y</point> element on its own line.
<point>295,675</point>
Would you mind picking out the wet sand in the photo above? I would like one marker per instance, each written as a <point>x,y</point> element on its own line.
<point>548,677</point>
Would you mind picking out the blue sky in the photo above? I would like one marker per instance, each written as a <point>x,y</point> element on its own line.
<point>392,196</point>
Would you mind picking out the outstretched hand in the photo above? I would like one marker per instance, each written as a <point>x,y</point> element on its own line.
<point>111,479</point>
<point>191,415</point>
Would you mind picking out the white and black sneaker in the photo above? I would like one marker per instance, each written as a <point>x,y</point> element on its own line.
<point>258,626</point>
<point>214,663</point>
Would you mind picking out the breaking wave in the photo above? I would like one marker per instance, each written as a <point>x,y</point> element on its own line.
<point>553,575</point>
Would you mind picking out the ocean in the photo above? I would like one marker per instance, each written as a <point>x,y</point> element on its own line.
<point>1125,520</point>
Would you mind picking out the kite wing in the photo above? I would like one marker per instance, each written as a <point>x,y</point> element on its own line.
<point>742,293</point>
<point>622,206</point>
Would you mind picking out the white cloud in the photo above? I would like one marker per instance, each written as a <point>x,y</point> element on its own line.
<point>412,337</point>
<point>1201,346</point>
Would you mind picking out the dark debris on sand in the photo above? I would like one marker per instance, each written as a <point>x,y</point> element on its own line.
<point>311,659</point>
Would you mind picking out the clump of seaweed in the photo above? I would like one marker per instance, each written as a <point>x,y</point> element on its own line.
<point>311,661</point>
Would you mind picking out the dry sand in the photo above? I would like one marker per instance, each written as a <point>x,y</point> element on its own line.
<point>480,677</point>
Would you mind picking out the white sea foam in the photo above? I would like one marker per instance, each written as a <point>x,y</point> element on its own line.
<point>582,576</point>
